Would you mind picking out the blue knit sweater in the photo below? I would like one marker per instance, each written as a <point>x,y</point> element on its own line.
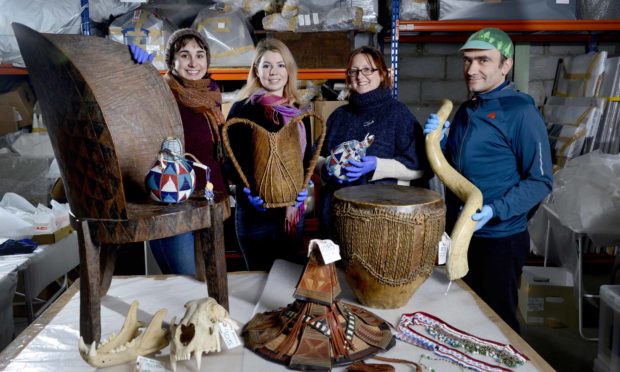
<point>398,135</point>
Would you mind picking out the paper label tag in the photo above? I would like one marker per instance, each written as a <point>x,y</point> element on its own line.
<point>144,364</point>
<point>444,247</point>
<point>330,252</point>
<point>566,2</point>
<point>228,334</point>
<point>315,18</point>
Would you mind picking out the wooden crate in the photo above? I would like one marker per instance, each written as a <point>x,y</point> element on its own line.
<point>318,49</point>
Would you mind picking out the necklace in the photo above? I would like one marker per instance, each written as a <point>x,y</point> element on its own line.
<point>442,333</point>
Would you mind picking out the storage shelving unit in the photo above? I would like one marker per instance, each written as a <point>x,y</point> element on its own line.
<point>588,32</point>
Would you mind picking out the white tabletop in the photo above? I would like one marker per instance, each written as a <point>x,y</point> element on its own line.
<point>51,342</point>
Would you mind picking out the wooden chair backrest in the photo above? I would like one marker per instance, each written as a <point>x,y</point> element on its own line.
<point>106,117</point>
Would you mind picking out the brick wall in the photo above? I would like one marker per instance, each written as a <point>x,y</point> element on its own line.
<point>429,72</point>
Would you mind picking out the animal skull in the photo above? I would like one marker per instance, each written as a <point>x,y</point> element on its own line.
<point>198,331</point>
<point>129,343</point>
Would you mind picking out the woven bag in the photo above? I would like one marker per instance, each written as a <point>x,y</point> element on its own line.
<point>278,165</point>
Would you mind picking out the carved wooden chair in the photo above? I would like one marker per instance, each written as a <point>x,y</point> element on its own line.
<point>107,117</point>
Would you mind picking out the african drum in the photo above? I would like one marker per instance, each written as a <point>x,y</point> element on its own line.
<point>388,237</point>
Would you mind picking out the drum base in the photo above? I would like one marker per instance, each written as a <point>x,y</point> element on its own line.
<point>370,292</point>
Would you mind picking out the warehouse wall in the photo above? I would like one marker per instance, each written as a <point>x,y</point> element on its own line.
<point>429,72</point>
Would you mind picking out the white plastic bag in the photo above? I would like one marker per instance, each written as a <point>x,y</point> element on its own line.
<point>586,196</point>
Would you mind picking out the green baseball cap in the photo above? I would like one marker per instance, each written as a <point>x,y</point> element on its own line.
<point>490,38</point>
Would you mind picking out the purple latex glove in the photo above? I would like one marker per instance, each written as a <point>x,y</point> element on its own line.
<point>483,216</point>
<point>140,55</point>
<point>256,201</point>
<point>432,123</point>
<point>356,169</point>
<point>302,196</point>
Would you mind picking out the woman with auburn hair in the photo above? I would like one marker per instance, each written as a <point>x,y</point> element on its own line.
<point>271,100</point>
<point>397,154</point>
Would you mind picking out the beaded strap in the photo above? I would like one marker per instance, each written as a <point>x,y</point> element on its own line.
<point>455,339</point>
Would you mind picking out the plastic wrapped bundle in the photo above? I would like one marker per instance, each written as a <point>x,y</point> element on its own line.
<point>229,35</point>
<point>295,7</point>
<point>337,19</point>
<point>146,29</point>
<point>506,9</point>
<point>581,75</point>
<point>249,7</point>
<point>572,125</point>
<point>415,9</point>
<point>598,9</point>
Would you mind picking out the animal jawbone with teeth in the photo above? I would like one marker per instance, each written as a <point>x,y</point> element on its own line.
<point>129,343</point>
<point>198,331</point>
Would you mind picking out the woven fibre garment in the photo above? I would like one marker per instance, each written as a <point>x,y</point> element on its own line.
<point>395,247</point>
<point>278,165</point>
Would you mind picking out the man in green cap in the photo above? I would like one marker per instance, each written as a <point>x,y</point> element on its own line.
<point>498,141</point>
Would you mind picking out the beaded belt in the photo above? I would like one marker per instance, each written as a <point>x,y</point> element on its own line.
<point>457,339</point>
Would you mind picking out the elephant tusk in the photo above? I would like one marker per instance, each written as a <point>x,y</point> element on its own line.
<point>466,191</point>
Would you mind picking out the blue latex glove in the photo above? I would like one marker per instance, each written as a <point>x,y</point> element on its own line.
<point>356,169</point>
<point>483,216</point>
<point>302,196</point>
<point>140,55</point>
<point>256,201</point>
<point>432,123</point>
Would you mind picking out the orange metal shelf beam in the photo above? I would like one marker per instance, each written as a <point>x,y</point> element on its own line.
<point>10,70</point>
<point>227,73</point>
<point>509,25</point>
<point>303,73</point>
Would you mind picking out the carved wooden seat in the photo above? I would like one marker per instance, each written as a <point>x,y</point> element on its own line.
<point>106,117</point>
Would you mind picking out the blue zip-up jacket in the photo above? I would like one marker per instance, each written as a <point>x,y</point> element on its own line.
<point>498,140</point>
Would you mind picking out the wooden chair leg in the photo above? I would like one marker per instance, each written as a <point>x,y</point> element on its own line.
<point>107,262</point>
<point>217,280</point>
<point>90,299</point>
<point>211,258</point>
<point>199,254</point>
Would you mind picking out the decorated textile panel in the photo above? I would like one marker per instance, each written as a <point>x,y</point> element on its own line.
<point>572,124</point>
<point>146,29</point>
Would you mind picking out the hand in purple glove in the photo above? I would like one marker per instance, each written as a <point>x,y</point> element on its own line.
<point>432,123</point>
<point>356,169</point>
<point>482,217</point>
<point>302,196</point>
<point>256,201</point>
<point>327,175</point>
<point>140,55</point>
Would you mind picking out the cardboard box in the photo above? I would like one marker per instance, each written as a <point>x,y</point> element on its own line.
<point>318,49</point>
<point>608,355</point>
<point>51,238</point>
<point>9,119</point>
<point>323,109</point>
<point>546,297</point>
<point>22,98</point>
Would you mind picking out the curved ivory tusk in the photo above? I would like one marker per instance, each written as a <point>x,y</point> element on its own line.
<point>461,187</point>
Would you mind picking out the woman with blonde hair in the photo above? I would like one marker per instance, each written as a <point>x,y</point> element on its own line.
<point>271,100</point>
